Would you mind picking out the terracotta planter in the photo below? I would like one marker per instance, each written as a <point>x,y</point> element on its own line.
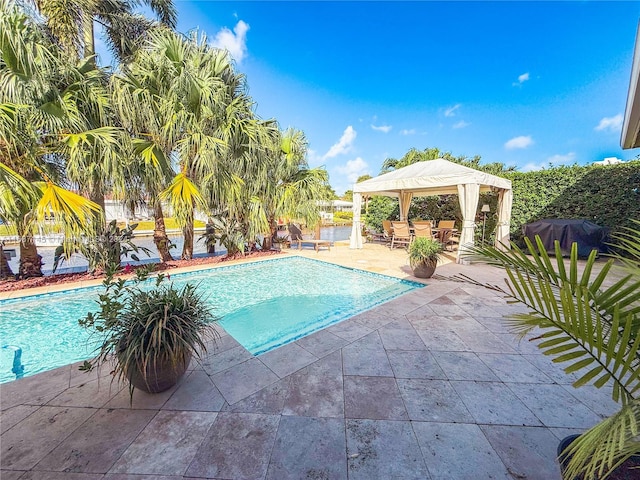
<point>159,377</point>
<point>424,269</point>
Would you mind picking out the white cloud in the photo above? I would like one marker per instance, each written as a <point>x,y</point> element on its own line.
<point>610,124</point>
<point>234,42</point>
<point>521,79</point>
<point>552,161</point>
<point>451,111</point>
<point>519,142</point>
<point>382,128</point>
<point>411,131</point>
<point>344,144</point>
<point>353,169</point>
<point>461,124</point>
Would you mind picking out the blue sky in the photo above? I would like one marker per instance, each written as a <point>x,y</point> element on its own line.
<point>523,83</point>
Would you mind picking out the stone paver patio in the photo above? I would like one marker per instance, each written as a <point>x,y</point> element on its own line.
<point>427,386</point>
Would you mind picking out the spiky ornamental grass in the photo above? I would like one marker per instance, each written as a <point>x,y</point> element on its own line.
<point>141,328</point>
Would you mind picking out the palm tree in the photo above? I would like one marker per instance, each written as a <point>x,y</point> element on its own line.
<point>71,22</point>
<point>38,115</point>
<point>182,100</point>
<point>286,186</point>
<point>591,322</point>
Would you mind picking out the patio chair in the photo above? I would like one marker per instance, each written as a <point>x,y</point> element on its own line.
<point>450,224</point>
<point>447,233</point>
<point>401,234</point>
<point>386,234</point>
<point>422,229</point>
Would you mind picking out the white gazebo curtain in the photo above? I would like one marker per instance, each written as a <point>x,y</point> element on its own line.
<point>405,203</point>
<point>356,230</point>
<point>468,195</point>
<point>505,202</point>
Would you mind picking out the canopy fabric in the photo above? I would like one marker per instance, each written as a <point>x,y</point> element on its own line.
<point>405,203</point>
<point>468,195</point>
<point>505,201</point>
<point>356,231</point>
<point>440,177</point>
<point>433,177</point>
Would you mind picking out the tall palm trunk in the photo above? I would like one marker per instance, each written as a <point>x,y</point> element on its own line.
<point>160,234</point>
<point>268,239</point>
<point>5,269</point>
<point>96,195</point>
<point>187,233</point>
<point>30,261</point>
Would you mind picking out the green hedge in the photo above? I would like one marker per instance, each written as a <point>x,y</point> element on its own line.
<point>607,195</point>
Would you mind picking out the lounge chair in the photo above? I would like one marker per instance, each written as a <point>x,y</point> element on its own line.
<point>295,235</point>
<point>401,234</point>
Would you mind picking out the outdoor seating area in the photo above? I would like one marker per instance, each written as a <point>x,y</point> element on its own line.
<point>433,374</point>
<point>402,234</point>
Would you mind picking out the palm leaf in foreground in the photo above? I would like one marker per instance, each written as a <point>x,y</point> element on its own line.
<point>590,323</point>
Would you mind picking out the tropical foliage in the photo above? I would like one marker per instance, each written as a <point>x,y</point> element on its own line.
<point>140,328</point>
<point>173,127</point>
<point>423,250</point>
<point>590,320</point>
<point>43,114</point>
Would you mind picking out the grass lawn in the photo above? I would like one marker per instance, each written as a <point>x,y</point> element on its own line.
<point>169,223</point>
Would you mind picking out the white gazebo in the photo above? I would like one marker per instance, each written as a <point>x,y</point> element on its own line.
<point>438,177</point>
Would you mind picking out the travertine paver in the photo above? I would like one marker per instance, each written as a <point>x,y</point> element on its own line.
<point>373,397</point>
<point>309,447</point>
<point>181,434</point>
<point>244,379</point>
<point>528,452</point>
<point>380,449</point>
<point>287,359</point>
<point>428,386</point>
<point>456,451</point>
<point>238,445</point>
<point>367,357</point>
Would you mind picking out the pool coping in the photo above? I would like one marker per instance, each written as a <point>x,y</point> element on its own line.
<point>62,287</point>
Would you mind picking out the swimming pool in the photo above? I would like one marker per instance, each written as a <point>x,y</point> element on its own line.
<point>262,305</point>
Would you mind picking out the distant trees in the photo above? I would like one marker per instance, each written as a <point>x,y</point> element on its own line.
<point>414,155</point>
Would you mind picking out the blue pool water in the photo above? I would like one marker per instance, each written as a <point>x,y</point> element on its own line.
<point>262,305</point>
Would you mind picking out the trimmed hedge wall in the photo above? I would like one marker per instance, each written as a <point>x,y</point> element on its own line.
<point>607,195</point>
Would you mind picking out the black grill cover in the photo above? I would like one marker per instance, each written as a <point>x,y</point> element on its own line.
<point>588,235</point>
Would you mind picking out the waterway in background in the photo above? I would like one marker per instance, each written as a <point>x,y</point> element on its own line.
<point>77,263</point>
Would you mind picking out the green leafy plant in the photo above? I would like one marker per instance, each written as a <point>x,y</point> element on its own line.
<point>140,327</point>
<point>591,323</point>
<point>424,249</point>
<point>229,232</point>
<point>105,250</point>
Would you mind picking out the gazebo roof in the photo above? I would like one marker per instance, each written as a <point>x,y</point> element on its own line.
<point>433,177</point>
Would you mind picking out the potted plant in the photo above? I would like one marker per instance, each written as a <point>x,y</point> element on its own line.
<point>424,254</point>
<point>590,322</point>
<point>149,333</point>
